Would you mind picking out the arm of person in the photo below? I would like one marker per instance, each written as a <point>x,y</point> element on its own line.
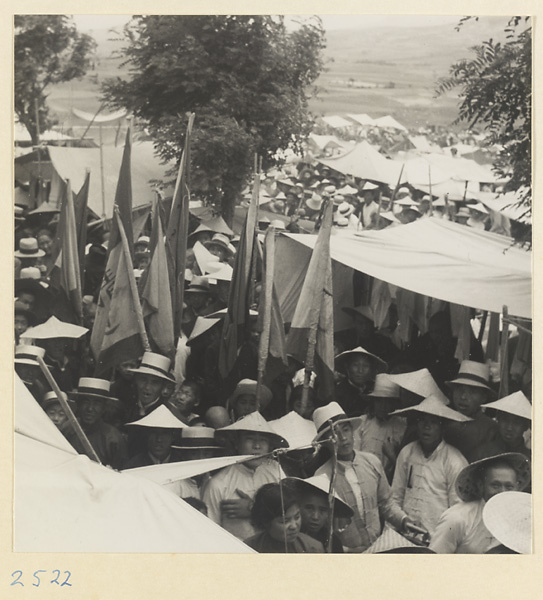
<point>448,533</point>
<point>455,463</point>
<point>399,481</point>
<point>389,509</point>
<point>213,498</point>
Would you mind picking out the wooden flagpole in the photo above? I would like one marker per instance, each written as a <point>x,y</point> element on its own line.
<point>89,450</point>
<point>504,367</point>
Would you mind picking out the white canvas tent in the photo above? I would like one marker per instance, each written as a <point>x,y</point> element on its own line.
<point>64,502</point>
<point>336,122</point>
<point>432,257</point>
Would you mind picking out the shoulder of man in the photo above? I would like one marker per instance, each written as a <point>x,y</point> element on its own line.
<point>311,544</point>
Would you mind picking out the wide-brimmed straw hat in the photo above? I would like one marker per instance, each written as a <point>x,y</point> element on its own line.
<point>389,216</point>
<point>93,387</point>
<point>249,386</point>
<point>344,357</point>
<point>201,228</point>
<point>198,284</point>
<point>28,248</point>
<point>198,438</point>
<point>53,328</point>
<point>515,404</point>
<point>331,413</point>
<point>384,388</point>
<point>508,517</point>
<point>220,240</point>
<point>298,432</point>
<point>419,382</point>
<point>52,398</point>
<point>362,310</point>
<point>160,418</point>
<point>467,480</point>
<point>26,354</point>
<point>434,406</point>
<point>252,423</point>
<point>320,484</point>
<point>315,202</point>
<point>463,212</point>
<point>474,374</point>
<point>201,325</point>
<point>345,209</point>
<point>154,364</point>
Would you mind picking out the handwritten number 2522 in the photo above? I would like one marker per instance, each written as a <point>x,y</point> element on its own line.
<point>19,574</point>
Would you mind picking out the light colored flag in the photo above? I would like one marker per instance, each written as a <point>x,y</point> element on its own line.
<point>311,336</point>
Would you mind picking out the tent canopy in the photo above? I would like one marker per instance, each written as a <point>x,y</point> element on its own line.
<point>362,119</point>
<point>432,257</point>
<point>389,122</point>
<point>72,164</point>
<point>64,502</point>
<point>336,122</point>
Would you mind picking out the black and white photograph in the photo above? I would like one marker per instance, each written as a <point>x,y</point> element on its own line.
<point>272,284</point>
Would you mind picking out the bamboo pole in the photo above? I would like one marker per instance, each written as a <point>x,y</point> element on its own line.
<point>504,370</point>
<point>89,450</point>
<point>331,496</point>
<point>132,283</point>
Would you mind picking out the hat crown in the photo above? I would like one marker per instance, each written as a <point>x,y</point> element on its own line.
<point>28,244</point>
<point>152,360</point>
<point>29,350</point>
<point>384,387</point>
<point>199,281</point>
<point>198,432</point>
<point>53,396</point>
<point>323,414</point>
<point>30,273</point>
<point>94,383</point>
<point>220,237</point>
<point>470,367</point>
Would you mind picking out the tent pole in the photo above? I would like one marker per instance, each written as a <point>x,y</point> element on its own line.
<point>102,174</point>
<point>504,371</point>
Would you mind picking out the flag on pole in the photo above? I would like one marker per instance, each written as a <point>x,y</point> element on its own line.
<point>272,355</point>
<point>177,232</point>
<point>67,260</point>
<point>236,320</point>
<point>123,202</point>
<point>155,285</point>
<point>311,336</point>
<point>124,335</point>
<point>80,209</point>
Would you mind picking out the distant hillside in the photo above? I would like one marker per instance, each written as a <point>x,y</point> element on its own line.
<point>386,70</point>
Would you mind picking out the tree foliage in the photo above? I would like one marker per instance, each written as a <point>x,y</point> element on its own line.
<point>246,77</point>
<point>496,90</point>
<point>48,49</point>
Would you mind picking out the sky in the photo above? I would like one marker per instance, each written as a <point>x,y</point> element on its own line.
<point>330,22</point>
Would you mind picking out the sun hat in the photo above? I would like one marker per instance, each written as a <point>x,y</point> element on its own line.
<point>51,397</point>
<point>515,404</point>
<point>474,374</point>
<point>478,207</point>
<point>197,438</point>
<point>340,221</point>
<point>218,224</point>
<point>253,422</point>
<point>421,383</point>
<point>221,240</point>
<point>154,364</point>
<point>434,406</point>
<point>331,413</point>
<point>201,325</point>
<point>280,196</point>
<point>94,388</point>
<point>368,185</point>
<point>467,480</point>
<point>343,358</point>
<point>200,229</point>
<point>315,202</point>
<point>403,191</point>
<point>508,517</point>
<point>248,386</point>
<point>264,219</point>
<point>321,485</point>
<point>20,309</point>
<point>278,224</point>
<point>298,432</point>
<point>53,328</point>
<point>345,209</point>
<point>197,285</point>
<point>28,248</point>
<point>161,417</point>
<point>26,354</point>
<point>278,206</point>
<point>406,201</point>
<point>392,542</point>
<point>362,310</point>
<point>463,212</point>
<point>389,216</point>
<point>143,240</point>
<point>348,190</point>
<point>384,388</point>
<point>330,189</point>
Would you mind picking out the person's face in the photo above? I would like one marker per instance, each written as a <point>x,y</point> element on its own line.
<point>124,367</point>
<point>345,440</point>
<point>185,400</point>
<point>149,387</point>
<point>315,511</point>
<point>511,428</point>
<point>498,479</point>
<point>382,407</point>
<point>45,243</point>
<point>429,431</point>
<point>21,324</point>
<point>467,399</point>
<point>89,315</point>
<point>254,443</point>
<point>27,299</point>
<point>287,527</point>
<point>56,413</point>
<point>196,300</point>
<point>363,326</point>
<point>245,405</point>
<point>142,262</point>
<point>359,370</point>
<point>56,348</point>
<point>91,410</point>
<point>159,442</point>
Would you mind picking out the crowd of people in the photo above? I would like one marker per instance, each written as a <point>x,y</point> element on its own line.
<point>409,450</point>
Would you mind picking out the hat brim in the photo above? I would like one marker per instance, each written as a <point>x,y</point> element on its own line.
<point>356,421</point>
<point>277,440</point>
<point>341,359</point>
<point>147,371</point>
<point>80,395</point>
<point>469,382</point>
<point>341,509</point>
<point>26,361</point>
<point>37,254</point>
<point>466,483</point>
